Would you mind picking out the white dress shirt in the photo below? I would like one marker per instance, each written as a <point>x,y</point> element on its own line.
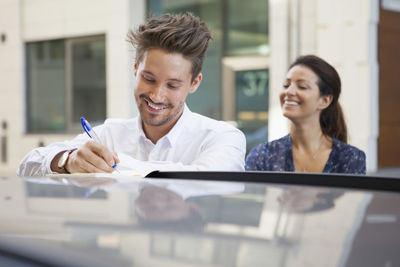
<point>195,143</point>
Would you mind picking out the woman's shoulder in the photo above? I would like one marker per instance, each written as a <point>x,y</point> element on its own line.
<point>348,158</point>
<point>268,156</point>
<point>281,141</point>
<point>274,145</point>
<point>346,149</point>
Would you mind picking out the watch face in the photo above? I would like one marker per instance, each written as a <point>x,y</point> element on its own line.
<point>63,159</point>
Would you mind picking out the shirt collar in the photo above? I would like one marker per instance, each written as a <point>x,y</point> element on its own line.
<point>173,135</point>
<point>140,128</point>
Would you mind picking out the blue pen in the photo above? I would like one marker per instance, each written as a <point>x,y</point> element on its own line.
<point>89,130</point>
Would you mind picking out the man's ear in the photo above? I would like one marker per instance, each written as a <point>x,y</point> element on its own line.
<point>196,83</point>
<point>326,100</point>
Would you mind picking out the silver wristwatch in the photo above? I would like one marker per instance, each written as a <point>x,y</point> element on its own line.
<point>63,160</point>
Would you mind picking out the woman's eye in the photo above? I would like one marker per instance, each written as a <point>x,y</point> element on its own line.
<point>286,85</point>
<point>303,87</point>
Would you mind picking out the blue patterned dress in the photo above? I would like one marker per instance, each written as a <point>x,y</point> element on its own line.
<point>278,156</point>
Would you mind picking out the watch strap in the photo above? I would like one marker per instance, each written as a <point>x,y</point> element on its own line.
<point>66,154</point>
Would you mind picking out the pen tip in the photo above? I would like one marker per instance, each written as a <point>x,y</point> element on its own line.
<point>115,167</point>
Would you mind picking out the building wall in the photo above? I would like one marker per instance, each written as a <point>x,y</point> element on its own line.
<point>343,39</point>
<point>280,59</point>
<point>26,21</point>
<point>11,69</point>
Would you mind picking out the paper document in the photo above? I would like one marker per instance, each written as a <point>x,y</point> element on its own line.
<point>127,168</point>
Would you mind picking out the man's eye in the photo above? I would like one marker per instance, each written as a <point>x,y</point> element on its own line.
<point>303,87</point>
<point>171,86</point>
<point>286,85</point>
<point>147,79</point>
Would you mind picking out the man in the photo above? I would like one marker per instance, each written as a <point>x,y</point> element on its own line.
<point>170,52</point>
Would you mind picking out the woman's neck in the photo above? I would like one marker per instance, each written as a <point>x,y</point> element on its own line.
<point>306,137</point>
<point>310,147</point>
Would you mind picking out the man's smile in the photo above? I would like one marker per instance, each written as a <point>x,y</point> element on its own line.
<point>153,107</point>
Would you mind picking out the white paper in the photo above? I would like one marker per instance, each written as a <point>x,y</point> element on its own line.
<point>127,168</point>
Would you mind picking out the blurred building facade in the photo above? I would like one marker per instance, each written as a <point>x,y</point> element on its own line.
<point>65,59</point>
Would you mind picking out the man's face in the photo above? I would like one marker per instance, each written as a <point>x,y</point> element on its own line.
<point>163,81</point>
<point>158,204</point>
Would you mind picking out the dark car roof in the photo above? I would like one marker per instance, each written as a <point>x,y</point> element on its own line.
<point>201,219</point>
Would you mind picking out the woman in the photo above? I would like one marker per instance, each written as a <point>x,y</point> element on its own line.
<point>318,135</point>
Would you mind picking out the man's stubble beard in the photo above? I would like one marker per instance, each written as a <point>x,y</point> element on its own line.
<point>163,121</point>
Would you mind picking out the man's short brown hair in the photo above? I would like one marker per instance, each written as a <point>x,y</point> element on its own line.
<point>182,33</point>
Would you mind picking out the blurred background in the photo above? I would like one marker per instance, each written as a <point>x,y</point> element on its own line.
<point>63,59</point>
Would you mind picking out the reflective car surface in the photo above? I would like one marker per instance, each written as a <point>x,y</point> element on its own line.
<point>88,221</point>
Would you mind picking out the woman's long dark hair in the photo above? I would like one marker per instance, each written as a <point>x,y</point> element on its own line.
<point>331,118</point>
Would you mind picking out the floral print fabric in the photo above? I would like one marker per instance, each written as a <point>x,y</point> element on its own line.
<point>278,156</point>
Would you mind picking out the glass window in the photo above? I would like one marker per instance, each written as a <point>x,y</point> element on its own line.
<point>66,80</point>
<point>246,28</point>
<point>88,81</point>
<point>46,86</point>
<point>252,105</point>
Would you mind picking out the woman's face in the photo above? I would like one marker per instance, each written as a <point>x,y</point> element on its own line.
<point>300,97</point>
<point>303,199</point>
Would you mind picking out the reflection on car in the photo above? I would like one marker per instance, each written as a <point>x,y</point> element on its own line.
<point>253,219</point>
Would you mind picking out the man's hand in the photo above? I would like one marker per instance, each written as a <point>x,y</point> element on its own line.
<point>91,157</point>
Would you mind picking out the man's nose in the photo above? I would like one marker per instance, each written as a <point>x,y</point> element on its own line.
<point>157,94</point>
